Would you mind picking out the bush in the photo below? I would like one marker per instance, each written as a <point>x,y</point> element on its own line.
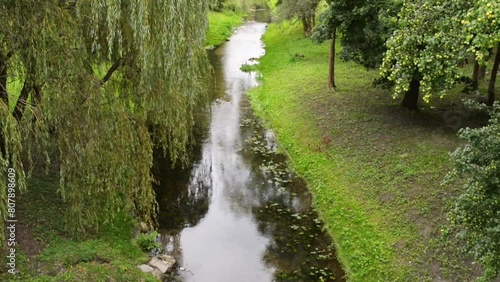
<point>147,242</point>
<point>475,217</point>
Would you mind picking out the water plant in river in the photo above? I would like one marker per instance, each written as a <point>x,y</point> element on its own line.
<point>299,247</point>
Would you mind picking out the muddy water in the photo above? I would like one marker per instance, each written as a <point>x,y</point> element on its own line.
<point>238,214</point>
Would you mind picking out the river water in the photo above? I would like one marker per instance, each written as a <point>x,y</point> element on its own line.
<point>238,214</point>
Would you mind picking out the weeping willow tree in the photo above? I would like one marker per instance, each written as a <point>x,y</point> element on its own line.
<point>104,82</point>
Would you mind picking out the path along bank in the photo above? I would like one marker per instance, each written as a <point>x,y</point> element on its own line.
<point>375,169</point>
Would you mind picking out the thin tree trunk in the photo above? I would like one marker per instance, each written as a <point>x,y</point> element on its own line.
<point>494,73</point>
<point>475,76</point>
<point>3,80</point>
<point>22,100</point>
<point>331,72</point>
<point>482,72</point>
<point>306,25</point>
<point>410,100</point>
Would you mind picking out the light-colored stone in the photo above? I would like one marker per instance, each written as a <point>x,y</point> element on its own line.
<point>145,268</point>
<point>168,260</point>
<point>144,227</point>
<point>158,264</point>
<point>158,274</point>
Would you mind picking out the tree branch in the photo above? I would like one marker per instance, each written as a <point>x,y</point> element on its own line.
<point>111,70</point>
<point>22,100</point>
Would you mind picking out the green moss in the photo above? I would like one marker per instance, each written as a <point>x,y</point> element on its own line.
<point>221,25</point>
<point>374,169</point>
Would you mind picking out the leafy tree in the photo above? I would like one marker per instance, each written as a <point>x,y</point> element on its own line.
<point>216,5</point>
<point>327,30</point>
<point>476,214</point>
<point>433,40</point>
<point>104,82</point>
<point>305,10</point>
<point>364,27</point>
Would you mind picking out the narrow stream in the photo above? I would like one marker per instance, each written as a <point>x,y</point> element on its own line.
<point>238,214</point>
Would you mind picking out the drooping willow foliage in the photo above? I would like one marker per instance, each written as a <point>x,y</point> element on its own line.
<point>106,81</point>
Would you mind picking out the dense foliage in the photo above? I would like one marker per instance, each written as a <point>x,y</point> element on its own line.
<point>476,214</point>
<point>364,27</point>
<point>433,40</point>
<point>105,82</point>
<point>305,10</point>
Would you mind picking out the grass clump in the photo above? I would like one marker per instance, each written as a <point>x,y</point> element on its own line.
<point>375,169</point>
<point>248,68</point>
<point>147,241</point>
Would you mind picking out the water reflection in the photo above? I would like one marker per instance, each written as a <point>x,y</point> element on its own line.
<point>239,214</point>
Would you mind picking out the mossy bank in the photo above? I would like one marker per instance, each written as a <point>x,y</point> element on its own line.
<point>374,168</point>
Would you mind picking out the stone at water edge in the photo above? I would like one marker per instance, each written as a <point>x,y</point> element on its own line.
<point>168,260</point>
<point>164,263</point>
<point>146,268</point>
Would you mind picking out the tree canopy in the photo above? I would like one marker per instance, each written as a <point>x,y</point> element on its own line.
<point>475,216</point>
<point>433,39</point>
<point>102,82</point>
<point>305,10</point>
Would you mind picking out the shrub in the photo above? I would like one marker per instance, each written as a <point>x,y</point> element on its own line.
<point>475,217</point>
<point>147,242</point>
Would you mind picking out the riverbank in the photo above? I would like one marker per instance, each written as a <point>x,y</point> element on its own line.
<point>45,253</point>
<point>374,168</point>
<point>221,25</point>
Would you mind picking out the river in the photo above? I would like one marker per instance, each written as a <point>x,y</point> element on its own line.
<point>238,214</point>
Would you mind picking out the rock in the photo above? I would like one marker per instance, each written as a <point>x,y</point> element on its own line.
<point>168,260</point>
<point>144,227</point>
<point>160,264</point>
<point>146,268</point>
<point>158,274</point>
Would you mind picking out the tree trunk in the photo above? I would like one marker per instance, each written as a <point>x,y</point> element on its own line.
<point>482,72</point>
<point>331,68</point>
<point>475,76</point>
<point>494,73</point>
<point>3,80</point>
<point>22,100</point>
<point>306,25</point>
<point>410,100</point>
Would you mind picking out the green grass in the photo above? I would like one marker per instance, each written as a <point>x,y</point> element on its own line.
<point>374,168</point>
<point>221,25</point>
<point>45,253</point>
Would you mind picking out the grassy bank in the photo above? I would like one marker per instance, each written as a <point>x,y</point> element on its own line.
<point>221,25</point>
<point>45,253</point>
<point>374,168</point>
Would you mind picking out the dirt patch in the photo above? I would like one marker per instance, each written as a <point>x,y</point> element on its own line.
<point>28,244</point>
